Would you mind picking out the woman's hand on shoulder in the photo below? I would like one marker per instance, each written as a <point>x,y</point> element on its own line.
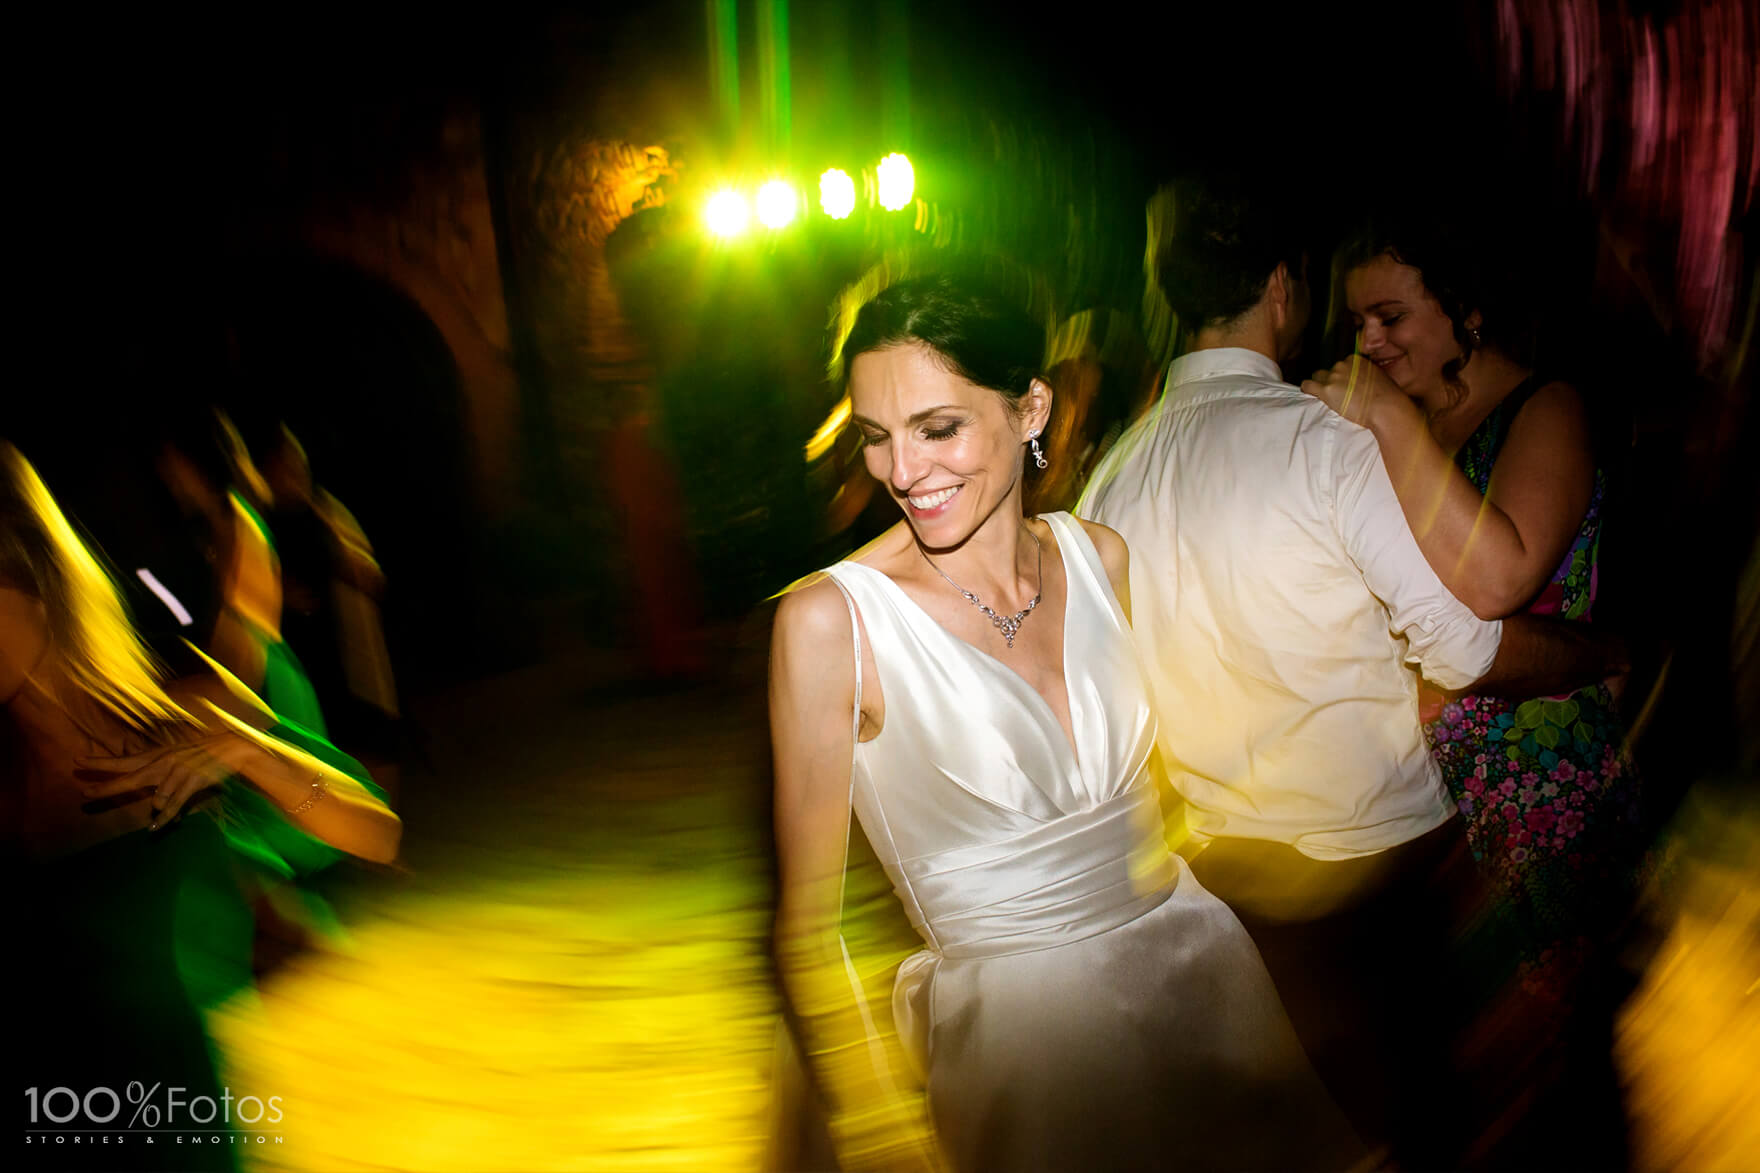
<point>1115,555</point>
<point>175,774</point>
<point>1357,390</point>
<point>223,737</point>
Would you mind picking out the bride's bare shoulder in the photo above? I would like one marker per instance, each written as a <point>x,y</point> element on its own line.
<point>1111,546</point>
<point>812,609</point>
<point>1115,556</point>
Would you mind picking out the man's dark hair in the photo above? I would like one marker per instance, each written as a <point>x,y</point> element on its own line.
<point>1228,236</point>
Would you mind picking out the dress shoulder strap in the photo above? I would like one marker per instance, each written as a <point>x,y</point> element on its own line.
<point>1497,424</point>
<point>1080,554</point>
<point>855,630</point>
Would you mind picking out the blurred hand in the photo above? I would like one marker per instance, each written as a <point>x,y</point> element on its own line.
<point>892,1135</point>
<point>1351,388</point>
<point>907,1154</point>
<point>175,775</point>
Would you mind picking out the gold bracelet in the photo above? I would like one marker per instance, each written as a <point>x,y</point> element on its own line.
<point>318,791</point>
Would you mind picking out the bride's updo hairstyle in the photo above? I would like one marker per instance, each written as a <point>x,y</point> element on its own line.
<point>974,329</point>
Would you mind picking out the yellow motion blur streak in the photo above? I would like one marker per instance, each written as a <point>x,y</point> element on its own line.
<point>550,990</point>
<point>828,431</point>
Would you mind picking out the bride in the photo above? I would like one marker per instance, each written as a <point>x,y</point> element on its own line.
<point>968,684</point>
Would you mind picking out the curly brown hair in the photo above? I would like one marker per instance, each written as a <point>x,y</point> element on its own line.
<point>1461,270</point>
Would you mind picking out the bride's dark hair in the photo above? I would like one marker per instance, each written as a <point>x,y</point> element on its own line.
<point>976,329</point>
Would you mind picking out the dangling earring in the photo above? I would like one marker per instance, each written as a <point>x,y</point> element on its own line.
<point>1473,333</point>
<point>1038,453</point>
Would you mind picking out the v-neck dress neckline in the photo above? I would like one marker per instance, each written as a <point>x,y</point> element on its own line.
<point>1072,740</point>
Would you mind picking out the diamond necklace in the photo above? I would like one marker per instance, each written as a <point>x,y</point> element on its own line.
<point>1008,625</point>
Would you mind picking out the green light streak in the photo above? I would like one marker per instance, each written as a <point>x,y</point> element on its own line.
<point>723,18</point>
<point>775,96</point>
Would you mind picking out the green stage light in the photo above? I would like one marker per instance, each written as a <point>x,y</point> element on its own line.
<point>776,204</point>
<point>896,181</point>
<point>837,193</point>
<point>726,213</point>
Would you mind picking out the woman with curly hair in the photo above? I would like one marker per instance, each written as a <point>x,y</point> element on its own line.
<point>1491,457</point>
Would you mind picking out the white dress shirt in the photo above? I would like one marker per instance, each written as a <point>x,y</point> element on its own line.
<point>1281,602</point>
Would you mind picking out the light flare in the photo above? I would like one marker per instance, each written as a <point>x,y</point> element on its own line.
<point>726,213</point>
<point>896,181</point>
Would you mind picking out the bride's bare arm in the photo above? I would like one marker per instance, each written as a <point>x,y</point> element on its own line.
<point>812,698</point>
<point>1493,552</point>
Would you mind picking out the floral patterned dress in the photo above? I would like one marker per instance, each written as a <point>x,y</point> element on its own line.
<point>1546,786</point>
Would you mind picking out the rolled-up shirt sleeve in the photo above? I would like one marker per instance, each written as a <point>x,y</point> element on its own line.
<point>1451,646</point>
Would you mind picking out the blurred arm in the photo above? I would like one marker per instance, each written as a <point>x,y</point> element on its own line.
<point>1544,656</point>
<point>356,563</point>
<point>1495,551</point>
<point>247,737</point>
<point>254,586</point>
<point>250,597</point>
<point>812,697</point>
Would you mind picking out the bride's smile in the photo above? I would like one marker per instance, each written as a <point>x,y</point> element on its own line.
<point>950,451</point>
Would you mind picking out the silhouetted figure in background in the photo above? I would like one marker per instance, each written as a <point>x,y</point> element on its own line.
<point>121,789</point>
<point>1280,604</point>
<point>198,460</point>
<point>331,591</point>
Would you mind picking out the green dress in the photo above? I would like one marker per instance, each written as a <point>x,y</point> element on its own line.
<point>120,944</point>
<point>261,832</point>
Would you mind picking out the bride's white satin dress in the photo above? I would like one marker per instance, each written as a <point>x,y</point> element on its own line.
<point>1082,1003</point>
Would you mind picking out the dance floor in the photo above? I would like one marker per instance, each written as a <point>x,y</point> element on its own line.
<point>572,973</point>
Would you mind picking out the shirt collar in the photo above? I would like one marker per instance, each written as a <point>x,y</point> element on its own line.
<point>1221,360</point>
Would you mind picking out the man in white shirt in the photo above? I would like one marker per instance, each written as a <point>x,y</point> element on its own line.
<point>1282,604</point>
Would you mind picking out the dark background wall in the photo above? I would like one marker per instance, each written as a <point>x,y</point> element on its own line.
<point>366,224</point>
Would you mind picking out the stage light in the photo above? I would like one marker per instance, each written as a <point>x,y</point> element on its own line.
<point>776,204</point>
<point>896,181</point>
<point>837,193</point>
<point>726,213</point>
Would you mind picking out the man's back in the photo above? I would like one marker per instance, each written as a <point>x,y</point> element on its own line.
<point>1271,567</point>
